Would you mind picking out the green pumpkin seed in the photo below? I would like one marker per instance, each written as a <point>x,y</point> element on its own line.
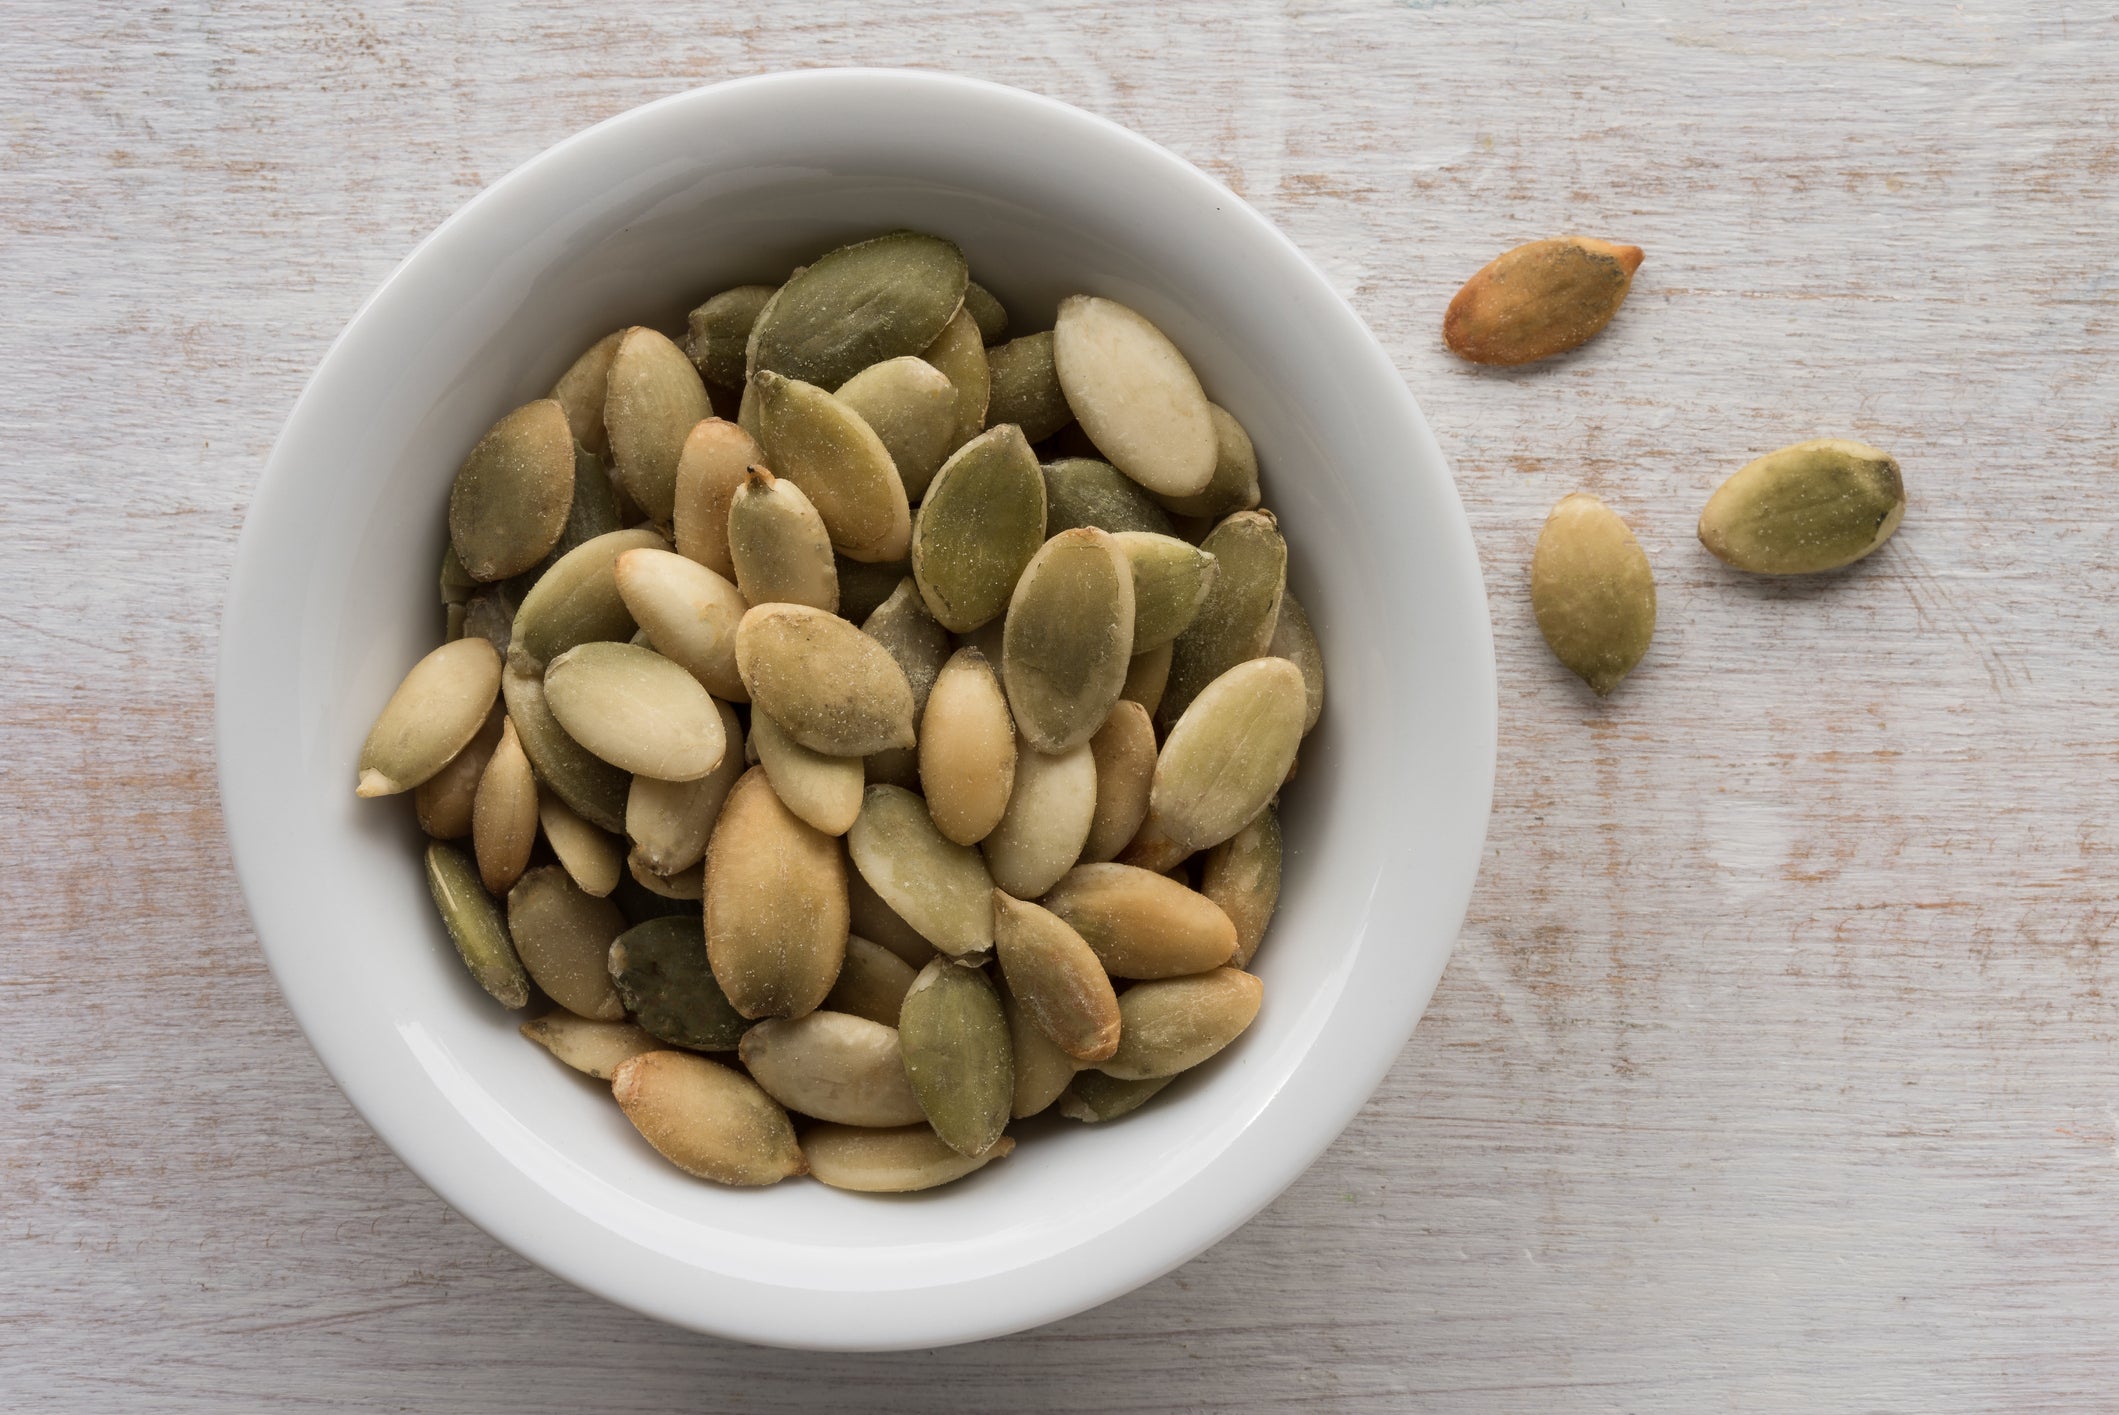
<point>859,305</point>
<point>1047,821</point>
<point>660,970</point>
<point>779,546</point>
<point>1135,395</point>
<point>824,791</point>
<point>1042,1070</point>
<point>1173,1024</point>
<point>707,1120</point>
<point>832,687</point>
<point>1234,485</point>
<point>1811,507</point>
<point>891,1161</point>
<point>433,715</point>
<point>871,918</point>
<point>689,614</point>
<point>911,405</point>
<point>960,354</point>
<point>985,312</point>
<point>902,625</point>
<point>1242,606</point>
<point>957,1054</point>
<point>716,457</point>
<point>490,616</point>
<point>1025,387</point>
<point>511,496</point>
<point>1124,748</point>
<point>967,749</point>
<point>823,446</point>
<point>594,788</point>
<point>863,586</point>
<point>1228,754</point>
<point>670,821</point>
<point>1081,491</point>
<point>1056,977</point>
<point>636,710</point>
<point>982,522</point>
<point>580,391</point>
<point>592,1048</point>
<point>834,1067</point>
<point>563,936</point>
<point>1147,675</point>
<point>1242,875</point>
<point>717,336</point>
<point>1141,924</point>
<point>1171,579</point>
<point>1295,641</point>
<point>475,925</point>
<point>443,801</point>
<point>1068,639</point>
<point>592,858</point>
<point>593,512</point>
<point>939,888</point>
<point>776,916</point>
<point>1592,591</point>
<point>457,586</point>
<point>576,601</point>
<point>654,400</point>
<point>1095,1097</point>
<point>640,904</point>
<point>872,982</point>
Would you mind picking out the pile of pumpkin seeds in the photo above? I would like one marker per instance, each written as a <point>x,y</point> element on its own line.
<point>863,728</point>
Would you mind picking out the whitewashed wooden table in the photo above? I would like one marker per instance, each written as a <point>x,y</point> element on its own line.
<point>1778,1067</point>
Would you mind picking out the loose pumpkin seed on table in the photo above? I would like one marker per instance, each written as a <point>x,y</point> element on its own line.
<point>1808,508</point>
<point>1539,299</point>
<point>1592,592</point>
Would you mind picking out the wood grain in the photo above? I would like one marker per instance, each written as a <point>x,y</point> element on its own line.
<point>1776,1069</point>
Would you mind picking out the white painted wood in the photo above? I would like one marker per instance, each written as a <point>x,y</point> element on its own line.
<point>1777,1066</point>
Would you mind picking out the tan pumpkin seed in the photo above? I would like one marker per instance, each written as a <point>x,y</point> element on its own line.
<point>1147,675</point>
<point>1229,753</point>
<point>960,354</point>
<point>941,889</point>
<point>823,446</point>
<point>871,918</point>
<point>834,1067</point>
<point>592,1048</point>
<point>859,305</point>
<point>1047,821</point>
<point>636,710</point>
<point>443,801</point>
<point>688,612</point>
<point>1134,394</point>
<point>712,465</point>
<point>660,971</point>
<point>475,925</point>
<point>1171,579</point>
<point>1295,641</point>
<point>911,405</point>
<point>1068,639</point>
<point>824,791</point>
<point>653,401</point>
<point>1025,387</point>
<point>1081,491</point>
<point>778,543</point>
<point>707,1119</point>
<point>593,787</point>
<point>954,1037</point>
<point>776,917</point>
<point>985,312</point>
<point>1592,591</point>
<point>563,936</point>
<point>504,813</point>
<point>863,586</point>
<point>686,886</point>
<point>981,524</point>
<point>510,498</point>
<point>1056,977</point>
<point>1124,748</point>
<point>1811,507</point>
<point>580,391</point>
<point>1242,606</point>
<point>1152,849</point>
<point>1095,1097</point>
<point>670,821</point>
<point>576,601</point>
<point>1173,1024</point>
<point>967,749</point>
<point>832,687</point>
<point>592,858</point>
<point>871,983</point>
<point>717,336</point>
<point>1234,485</point>
<point>433,715</point>
<point>1538,300</point>
<point>1141,924</point>
<point>1042,1069</point>
<point>890,1161</point>
<point>1242,875</point>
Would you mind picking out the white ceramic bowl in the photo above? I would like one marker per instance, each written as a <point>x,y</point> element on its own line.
<point>631,222</point>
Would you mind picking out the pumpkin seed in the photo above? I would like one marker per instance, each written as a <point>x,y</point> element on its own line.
<point>689,614</point>
<point>580,391</point>
<point>1056,977</point>
<point>1242,875</point>
<point>823,446</point>
<point>960,354</point>
<point>1229,753</point>
<point>563,936</point>
<point>594,788</point>
<point>1095,1097</point>
<point>490,616</point>
<point>1234,485</point>
<point>717,336</point>
<point>1538,300</point>
<point>685,886</point>
<point>778,543</point>
<point>670,821</point>
<point>859,305</point>
<point>1047,821</point>
<point>871,918</point>
<point>1081,491</point>
<point>1025,387</point>
<point>592,1048</point>
<point>475,925</point>
<point>776,917</point>
<point>956,1050</point>
<point>1068,639</point>
<point>1141,924</point>
<point>967,749</point>
<point>1042,1070</point>
<point>985,312</point>
<point>981,524</point>
<point>443,800</point>
<point>1173,1024</point>
<point>1811,507</point>
<point>659,968</point>
<point>902,625</point>
<point>871,983</point>
<point>511,496</point>
<point>713,464</point>
<point>636,710</point>
<point>941,889</point>
<point>707,1119</point>
<point>433,715</point>
<point>891,1161</point>
<point>593,512</point>
<point>1242,606</point>
<point>832,687</point>
<point>863,586</point>
<point>1124,748</point>
<point>833,1066</point>
<point>504,813</point>
<point>1147,675</point>
<point>1295,641</point>
<point>824,791</point>
<point>911,405</point>
<point>457,586</point>
<point>1134,394</point>
<point>1592,591</point>
<point>1152,849</point>
<point>653,402</point>
<point>577,600</point>
<point>592,859</point>
<point>1170,582</point>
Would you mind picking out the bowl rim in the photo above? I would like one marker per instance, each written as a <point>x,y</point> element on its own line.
<point>1139,1252</point>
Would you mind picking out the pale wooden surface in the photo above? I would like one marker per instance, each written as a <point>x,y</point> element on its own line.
<point>1776,1068</point>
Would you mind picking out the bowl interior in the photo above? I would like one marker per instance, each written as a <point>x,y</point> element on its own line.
<point>634,222</point>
